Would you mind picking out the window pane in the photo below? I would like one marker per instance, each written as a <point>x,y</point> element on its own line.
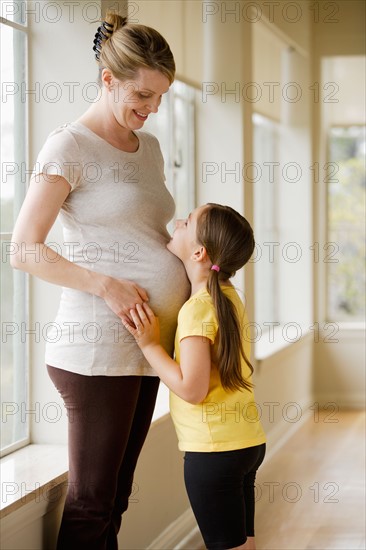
<point>13,289</point>
<point>159,125</point>
<point>14,387</point>
<point>183,160</point>
<point>346,224</point>
<point>7,145</point>
<point>12,116</point>
<point>15,10</point>
<point>174,128</point>
<point>265,220</point>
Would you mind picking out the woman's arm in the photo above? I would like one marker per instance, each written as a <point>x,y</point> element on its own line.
<point>37,215</point>
<point>189,379</point>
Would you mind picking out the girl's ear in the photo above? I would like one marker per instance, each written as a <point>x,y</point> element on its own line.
<point>199,254</point>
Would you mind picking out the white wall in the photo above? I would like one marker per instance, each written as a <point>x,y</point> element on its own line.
<point>338,57</point>
<point>159,496</point>
<point>180,22</point>
<point>339,370</point>
<point>283,389</point>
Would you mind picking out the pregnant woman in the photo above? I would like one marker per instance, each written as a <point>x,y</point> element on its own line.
<point>104,178</point>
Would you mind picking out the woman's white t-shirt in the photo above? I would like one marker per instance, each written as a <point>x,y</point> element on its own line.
<point>114,222</point>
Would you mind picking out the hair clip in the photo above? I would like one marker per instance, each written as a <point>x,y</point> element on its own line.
<point>97,53</point>
<point>101,34</point>
<point>105,26</point>
<point>100,37</point>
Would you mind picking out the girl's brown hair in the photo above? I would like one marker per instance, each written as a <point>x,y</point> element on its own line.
<point>130,47</point>
<point>229,241</point>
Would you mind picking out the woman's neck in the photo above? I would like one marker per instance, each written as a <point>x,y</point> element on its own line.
<point>100,121</point>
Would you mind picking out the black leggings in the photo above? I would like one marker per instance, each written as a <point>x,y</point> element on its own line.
<point>109,417</point>
<point>220,488</point>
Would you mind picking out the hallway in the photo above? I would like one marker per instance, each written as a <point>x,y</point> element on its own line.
<point>266,115</point>
<point>311,493</point>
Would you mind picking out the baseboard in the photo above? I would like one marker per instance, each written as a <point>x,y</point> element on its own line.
<point>182,534</point>
<point>354,401</point>
<point>193,541</point>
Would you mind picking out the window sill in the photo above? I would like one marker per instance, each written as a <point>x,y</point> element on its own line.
<point>29,474</point>
<point>349,325</point>
<point>273,343</point>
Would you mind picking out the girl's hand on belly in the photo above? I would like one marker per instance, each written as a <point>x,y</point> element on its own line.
<point>144,326</point>
<point>122,295</point>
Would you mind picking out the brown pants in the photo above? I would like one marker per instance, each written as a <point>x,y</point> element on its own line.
<point>109,417</point>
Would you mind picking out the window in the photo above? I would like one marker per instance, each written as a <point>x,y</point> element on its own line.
<point>14,369</point>
<point>282,192</point>
<point>174,128</point>
<point>343,117</point>
<point>346,219</point>
<point>266,140</point>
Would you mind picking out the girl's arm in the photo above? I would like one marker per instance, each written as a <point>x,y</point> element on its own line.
<point>189,379</point>
<point>38,213</point>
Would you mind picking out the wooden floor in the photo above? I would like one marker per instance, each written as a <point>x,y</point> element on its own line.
<point>311,493</point>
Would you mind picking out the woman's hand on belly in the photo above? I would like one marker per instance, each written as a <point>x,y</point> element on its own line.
<point>122,295</point>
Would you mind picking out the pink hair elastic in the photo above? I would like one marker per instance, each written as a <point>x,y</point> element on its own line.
<point>215,267</point>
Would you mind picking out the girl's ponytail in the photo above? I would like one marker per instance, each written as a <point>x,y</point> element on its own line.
<point>229,242</point>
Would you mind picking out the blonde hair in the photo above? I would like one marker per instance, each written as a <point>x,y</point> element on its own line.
<point>130,47</point>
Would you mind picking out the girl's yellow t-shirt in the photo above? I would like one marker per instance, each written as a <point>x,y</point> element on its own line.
<point>223,421</point>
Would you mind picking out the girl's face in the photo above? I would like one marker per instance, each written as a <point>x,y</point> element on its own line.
<point>184,240</point>
<point>132,101</point>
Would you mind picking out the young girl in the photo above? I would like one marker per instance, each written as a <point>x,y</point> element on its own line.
<point>212,402</point>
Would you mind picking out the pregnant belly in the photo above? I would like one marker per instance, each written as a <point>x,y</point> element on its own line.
<point>159,272</point>
<point>164,278</point>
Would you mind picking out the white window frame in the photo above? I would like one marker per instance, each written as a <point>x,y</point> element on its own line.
<point>20,404</point>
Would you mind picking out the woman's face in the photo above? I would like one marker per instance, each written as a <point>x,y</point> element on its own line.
<point>184,239</point>
<point>132,101</point>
